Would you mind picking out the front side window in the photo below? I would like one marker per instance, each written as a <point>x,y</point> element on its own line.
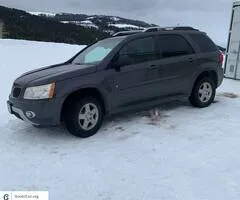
<point>95,53</point>
<point>138,51</point>
<point>173,45</point>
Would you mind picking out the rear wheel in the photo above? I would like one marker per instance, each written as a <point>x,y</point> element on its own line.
<point>203,93</point>
<point>83,117</point>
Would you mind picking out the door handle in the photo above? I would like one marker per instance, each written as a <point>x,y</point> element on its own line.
<point>190,59</point>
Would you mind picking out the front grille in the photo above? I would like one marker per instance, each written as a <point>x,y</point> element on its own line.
<point>16,92</point>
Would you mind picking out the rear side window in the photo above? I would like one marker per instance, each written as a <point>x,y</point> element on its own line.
<point>204,43</point>
<point>174,45</point>
<point>138,51</point>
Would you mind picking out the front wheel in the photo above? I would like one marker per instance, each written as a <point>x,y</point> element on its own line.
<point>203,93</point>
<point>84,117</point>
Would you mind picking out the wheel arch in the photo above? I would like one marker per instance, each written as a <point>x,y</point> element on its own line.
<point>82,92</point>
<point>210,73</point>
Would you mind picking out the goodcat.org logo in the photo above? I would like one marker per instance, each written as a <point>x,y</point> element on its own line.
<point>5,197</point>
<point>24,195</point>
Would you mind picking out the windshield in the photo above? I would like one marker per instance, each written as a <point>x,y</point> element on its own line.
<point>95,53</point>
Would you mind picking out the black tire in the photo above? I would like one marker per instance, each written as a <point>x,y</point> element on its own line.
<point>195,98</point>
<point>71,117</point>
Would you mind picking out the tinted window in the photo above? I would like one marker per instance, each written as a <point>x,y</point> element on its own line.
<point>174,45</point>
<point>204,43</point>
<point>138,51</point>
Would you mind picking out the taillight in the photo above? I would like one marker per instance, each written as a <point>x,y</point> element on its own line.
<point>221,57</point>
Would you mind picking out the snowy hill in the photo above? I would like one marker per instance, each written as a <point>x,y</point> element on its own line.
<point>42,14</point>
<point>19,24</point>
<point>180,153</point>
<point>63,27</point>
<point>106,23</point>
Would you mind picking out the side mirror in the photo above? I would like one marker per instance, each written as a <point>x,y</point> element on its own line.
<point>115,63</point>
<point>122,60</point>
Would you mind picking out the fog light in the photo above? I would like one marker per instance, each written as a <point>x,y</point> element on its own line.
<point>30,114</point>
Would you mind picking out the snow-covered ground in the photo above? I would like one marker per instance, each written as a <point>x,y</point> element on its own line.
<point>185,153</point>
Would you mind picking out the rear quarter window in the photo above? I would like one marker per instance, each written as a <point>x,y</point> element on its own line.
<point>204,42</point>
<point>173,46</point>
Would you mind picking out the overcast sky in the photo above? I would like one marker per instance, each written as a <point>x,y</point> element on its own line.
<point>211,16</point>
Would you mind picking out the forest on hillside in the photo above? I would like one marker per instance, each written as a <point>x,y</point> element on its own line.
<point>22,25</point>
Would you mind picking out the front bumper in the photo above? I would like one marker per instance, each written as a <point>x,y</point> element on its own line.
<point>46,112</point>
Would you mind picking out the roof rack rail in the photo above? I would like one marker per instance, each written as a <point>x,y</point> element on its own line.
<point>185,28</point>
<point>122,33</point>
<point>156,29</point>
<point>170,28</point>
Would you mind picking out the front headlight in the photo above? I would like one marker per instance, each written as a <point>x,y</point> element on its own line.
<point>40,92</point>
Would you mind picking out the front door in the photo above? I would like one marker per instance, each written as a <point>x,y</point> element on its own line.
<point>133,82</point>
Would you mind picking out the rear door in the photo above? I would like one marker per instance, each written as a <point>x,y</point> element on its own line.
<point>176,65</point>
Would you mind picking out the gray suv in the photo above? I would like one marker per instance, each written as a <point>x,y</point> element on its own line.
<point>118,74</point>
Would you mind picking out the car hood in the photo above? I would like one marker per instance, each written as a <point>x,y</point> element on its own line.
<point>54,73</point>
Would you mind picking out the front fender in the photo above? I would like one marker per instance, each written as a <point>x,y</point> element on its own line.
<point>68,87</point>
